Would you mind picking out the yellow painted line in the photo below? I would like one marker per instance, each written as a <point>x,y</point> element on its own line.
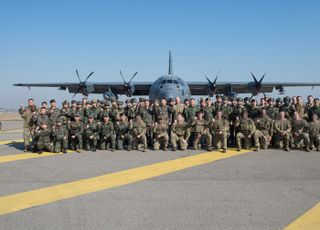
<point>20,201</point>
<point>308,221</point>
<point>26,156</point>
<point>11,142</point>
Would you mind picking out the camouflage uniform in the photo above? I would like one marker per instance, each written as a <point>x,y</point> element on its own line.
<point>314,132</point>
<point>246,129</point>
<point>91,135</point>
<point>220,131</point>
<point>60,137</point>
<point>107,135</point>
<point>190,113</point>
<point>146,115</point>
<point>161,137</point>
<point>180,134</point>
<point>28,125</point>
<point>54,114</point>
<point>43,137</point>
<point>75,132</point>
<point>122,131</point>
<point>272,112</point>
<point>200,130</point>
<point>299,133</point>
<point>282,129</point>
<point>138,134</point>
<point>162,112</point>
<point>264,132</point>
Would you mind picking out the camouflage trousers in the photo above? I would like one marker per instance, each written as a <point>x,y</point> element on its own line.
<point>91,142</point>
<point>60,145</point>
<point>134,141</point>
<point>315,141</point>
<point>161,140</point>
<point>48,146</point>
<point>261,137</point>
<point>104,141</point>
<point>282,141</point>
<point>76,141</point>
<point>178,141</point>
<point>301,139</point>
<point>243,136</point>
<point>121,140</point>
<point>205,136</point>
<point>220,140</point>
<point>26,137</point>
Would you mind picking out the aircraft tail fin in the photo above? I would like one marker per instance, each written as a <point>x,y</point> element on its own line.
<point>170,64</point>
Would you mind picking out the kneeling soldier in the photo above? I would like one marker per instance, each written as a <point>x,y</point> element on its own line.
<point>138,132</point>
<point>43,135</point>
<point>91,134</point>
<point>60,137</point>
<point>75,129</point>
<point>219,130</point>
<point>107,134</point>
<point>299,127</point>
<point>160,134</point>
<point>282,130</point>
<point>122,131</point>
<point>180,133</point>
<point>264,130</point>
<point>246,130</point>
<point>200,130</point>
<point>314,131</point>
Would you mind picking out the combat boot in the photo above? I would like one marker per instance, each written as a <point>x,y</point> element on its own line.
<point>174,149</point>
<point>26,149</point>
<point>64,151</point>
<point>224,150</point>
<point>307,149</point>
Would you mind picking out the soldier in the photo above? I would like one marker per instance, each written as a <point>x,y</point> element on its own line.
<point>54,112</point>
<point>308,107</point>
<point>282,130</point>
<point>190,111</point>
<point>209,110</point>
<point>146,114</point>
<point>160,134</point>
<point>105,111</point>
<point>122,131</point>
<point>65,113</point>
<point>180,133</point>
<point>94,111</point>
<point>253,109</point>
<point>201,130</point>
<point>28,124</point>
<point>81,111</point>
<point>219,129</point>
<point>42,117</point>
<point>315,109</point>
<point>107,134</point>
<point>299,127</point>
<point>91,134</point>
<point>114,112</point>
<point>130,111</point>
<point>60,137</point>
<point>162,111</point>
<point>226,108</point>
<point>272,110</point>
<point>178,108</point>
<point>218,103</point>
<point>264,130</point>
<point>286,107</point>
<point>137,129</point>
<point>246,129</point>
<point>43,137</point>
<point>75,129</point>
<point>314,132</point>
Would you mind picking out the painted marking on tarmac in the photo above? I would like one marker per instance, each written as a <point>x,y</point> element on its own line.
<point>26,156</point>
<point>20,201</point>
<point>309,220</point>
<point>18,141</point>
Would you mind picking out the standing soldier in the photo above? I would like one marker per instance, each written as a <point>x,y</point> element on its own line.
<point>190,111</point>
<point>91,134</point>
<point>315,109</point>
<point>237,111</point>
<point>264,130</point>
<point>253,109</point>
<point>81,111</point>
<point>42,117</point>
<point>65,112</point>
<point>60,137</point>
<point>54,112</point>
<point>105,111</point>
<point>201,130</point>
<point>160,134</point>
<point>299,127</point>
<point>219,130</point>
<point>75,129</point>
<point>272,110</point>
<point>314,132</point>
<point>138,133</point>
<point>246,129</point>
<point>93,111</point>
<point>28,124</point>
<point>209,110</point>
<point>114,113</point>
<point>178,108</point>
<point>286,107</point>
<point>162,111</point>
<point>308,107</point>
<point>282,130</point>
<point>226,108</point>
<point>122,131</point>
<point>107,134</point>
<point>180,133</point>
<point>43,136</point>
<point>146,113</point>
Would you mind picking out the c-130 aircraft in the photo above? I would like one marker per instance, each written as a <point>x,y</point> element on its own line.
<point>169,86</point>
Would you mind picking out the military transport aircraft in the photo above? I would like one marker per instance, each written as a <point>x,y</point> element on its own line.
<point>169,86</point>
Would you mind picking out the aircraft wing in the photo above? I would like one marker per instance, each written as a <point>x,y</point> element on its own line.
<point>141,88</point>
<point>201,88</point>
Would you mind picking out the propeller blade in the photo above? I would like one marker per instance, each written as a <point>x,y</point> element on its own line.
<point>77,92</point>
<point>207,79</point>
<point>255,79</point>
<point>133,77</point>
<point>78,75</point>
<point>124,81</point>
<point>89,76</point>
<point>262,78</point>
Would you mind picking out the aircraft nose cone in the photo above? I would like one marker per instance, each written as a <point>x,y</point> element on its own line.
<point>168,94</point>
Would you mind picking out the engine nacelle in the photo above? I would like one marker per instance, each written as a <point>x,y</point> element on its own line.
<point>109,96</point>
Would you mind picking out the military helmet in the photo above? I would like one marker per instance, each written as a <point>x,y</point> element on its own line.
<point>287,99</point>
<point>133,100</point>
<point>119,103</point>
<point>239,99</point>
<point>279,100</point>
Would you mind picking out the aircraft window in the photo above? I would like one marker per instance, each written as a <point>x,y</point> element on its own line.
<point>163,82</point>
<point>169,82</point>
<point>175,82</point>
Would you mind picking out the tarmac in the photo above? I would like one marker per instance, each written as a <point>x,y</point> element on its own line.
<point>268,189</point>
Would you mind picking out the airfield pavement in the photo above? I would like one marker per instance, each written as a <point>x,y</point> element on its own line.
<point>269,189</point>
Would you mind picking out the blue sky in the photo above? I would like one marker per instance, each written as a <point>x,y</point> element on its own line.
<point>45,41</point>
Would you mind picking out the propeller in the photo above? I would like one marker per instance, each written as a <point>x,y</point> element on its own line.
<point>82,84</point>
<point>257,84</point>
<point>128,88</point>
<point>212,85</point>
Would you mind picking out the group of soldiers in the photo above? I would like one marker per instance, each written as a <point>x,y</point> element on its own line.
<point>141,124</point>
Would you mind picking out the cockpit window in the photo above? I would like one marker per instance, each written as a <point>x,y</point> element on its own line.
<point>163,81</point>
<point>175,82</point>
<point>169,82</point>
